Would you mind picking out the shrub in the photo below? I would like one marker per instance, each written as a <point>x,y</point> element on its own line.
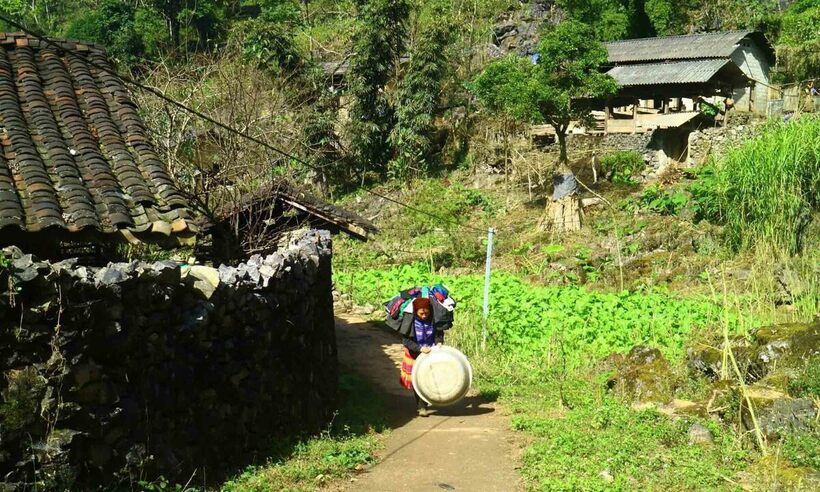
<point>621,166</point>
<point>662,201</point>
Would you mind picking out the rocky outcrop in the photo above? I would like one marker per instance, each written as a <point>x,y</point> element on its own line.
<point>784,345</point>
<point>642,375</point>
<point>517,30</point>
<point>148,369</point>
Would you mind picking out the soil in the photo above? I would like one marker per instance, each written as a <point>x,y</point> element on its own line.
<point>467,446</point>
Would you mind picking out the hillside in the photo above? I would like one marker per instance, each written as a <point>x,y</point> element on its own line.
<point>669,341</point>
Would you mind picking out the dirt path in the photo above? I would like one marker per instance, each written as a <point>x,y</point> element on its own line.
<point>464,447</point>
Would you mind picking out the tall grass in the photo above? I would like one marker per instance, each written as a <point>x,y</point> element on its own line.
<point>769,187</point>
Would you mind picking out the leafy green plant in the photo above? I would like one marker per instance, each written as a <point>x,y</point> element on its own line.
<point>706,194</point>
<point>664,202</point>
<point>807,382</point>
<point>803,448</point>
<point>620,167</point>
<point>526,319</point>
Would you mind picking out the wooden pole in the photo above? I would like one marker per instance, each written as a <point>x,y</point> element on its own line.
<point>635,116</point>
<point>607,114</point>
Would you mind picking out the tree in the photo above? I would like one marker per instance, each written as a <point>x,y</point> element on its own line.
<point>206,17</point>
<point>378,43</point>
<point>610,19</point>
<point>569,59</point>
<point>418,96</point>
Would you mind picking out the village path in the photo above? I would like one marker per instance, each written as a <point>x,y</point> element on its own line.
<point>467,446</point>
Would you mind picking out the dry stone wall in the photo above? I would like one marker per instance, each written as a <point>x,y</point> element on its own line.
<point>136,370</point>
<point>716,141</point>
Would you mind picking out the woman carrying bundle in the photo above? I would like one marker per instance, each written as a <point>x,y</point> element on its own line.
<point>423,335</point>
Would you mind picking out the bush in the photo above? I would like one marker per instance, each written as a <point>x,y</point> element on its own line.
<point>664,202</point>
<point>621,166</point>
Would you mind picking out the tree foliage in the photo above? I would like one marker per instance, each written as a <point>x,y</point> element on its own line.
<point>377,45</point>
<point>268,39</point>
<point>567,68</point>
<point>418,96</point>
<point>610,19</point>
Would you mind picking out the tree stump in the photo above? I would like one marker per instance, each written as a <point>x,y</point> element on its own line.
<point>562,215</point>
<point>563,210</point>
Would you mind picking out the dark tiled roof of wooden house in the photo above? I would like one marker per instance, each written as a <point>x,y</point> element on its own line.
<point>74,153</point>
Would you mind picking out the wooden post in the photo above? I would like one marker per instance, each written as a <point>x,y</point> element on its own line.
<point>607,114</point>
<point>665,105</point>
<point>751,97</point>
<point>635,116</point>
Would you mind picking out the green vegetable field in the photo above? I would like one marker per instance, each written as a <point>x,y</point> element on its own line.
<point>530,320</point>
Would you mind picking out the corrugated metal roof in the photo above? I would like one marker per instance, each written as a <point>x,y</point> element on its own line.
<point>680,72</point>
<point>686,47</point>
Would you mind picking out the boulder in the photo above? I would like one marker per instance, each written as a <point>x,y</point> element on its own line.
<point>776,413</point>
<point>643,375</point>
<point>698,434</point>
<point>785,345</point>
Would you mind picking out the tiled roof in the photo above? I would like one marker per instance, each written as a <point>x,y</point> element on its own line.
<point>74,152</point>
<point>679,72</point>
<point>687,47</point>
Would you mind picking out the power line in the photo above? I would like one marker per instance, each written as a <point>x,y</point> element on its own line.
<point>199,114</point>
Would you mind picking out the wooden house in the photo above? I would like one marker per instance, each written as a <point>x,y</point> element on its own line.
<point>731,64</point>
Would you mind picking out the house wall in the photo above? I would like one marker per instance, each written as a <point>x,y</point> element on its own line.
<point>753,62</point>
<point>139,370</point>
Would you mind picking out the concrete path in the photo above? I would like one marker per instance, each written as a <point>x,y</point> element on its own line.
<point>464,447</point>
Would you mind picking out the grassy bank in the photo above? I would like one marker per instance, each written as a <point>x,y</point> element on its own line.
<point>313,462</point>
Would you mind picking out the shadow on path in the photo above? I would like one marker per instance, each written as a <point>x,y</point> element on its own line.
<point>466,446</point>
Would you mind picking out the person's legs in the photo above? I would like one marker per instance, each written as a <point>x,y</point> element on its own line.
<point>421,405</point>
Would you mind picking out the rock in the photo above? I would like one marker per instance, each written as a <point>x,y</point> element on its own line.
<point>772,472</point>
<point>678,407</point>
<point>773,346</point>
<point>791,343</point>
<point>110,275</point>
<point>698,434</point>
<point>776,412</point>
<point>365,310</point>
<point>606,476</point>
<point>643,375</point>
<point>206,279</point>
<point>165,272</point>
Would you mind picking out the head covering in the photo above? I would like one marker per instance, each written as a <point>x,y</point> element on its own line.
<point>421,302</point>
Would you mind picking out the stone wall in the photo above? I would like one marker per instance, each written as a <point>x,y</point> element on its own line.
<point>716,141</point>
<point>600,145</point>
<point>136,370</point>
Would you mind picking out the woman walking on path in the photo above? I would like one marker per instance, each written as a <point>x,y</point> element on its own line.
<point>423,335</point>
